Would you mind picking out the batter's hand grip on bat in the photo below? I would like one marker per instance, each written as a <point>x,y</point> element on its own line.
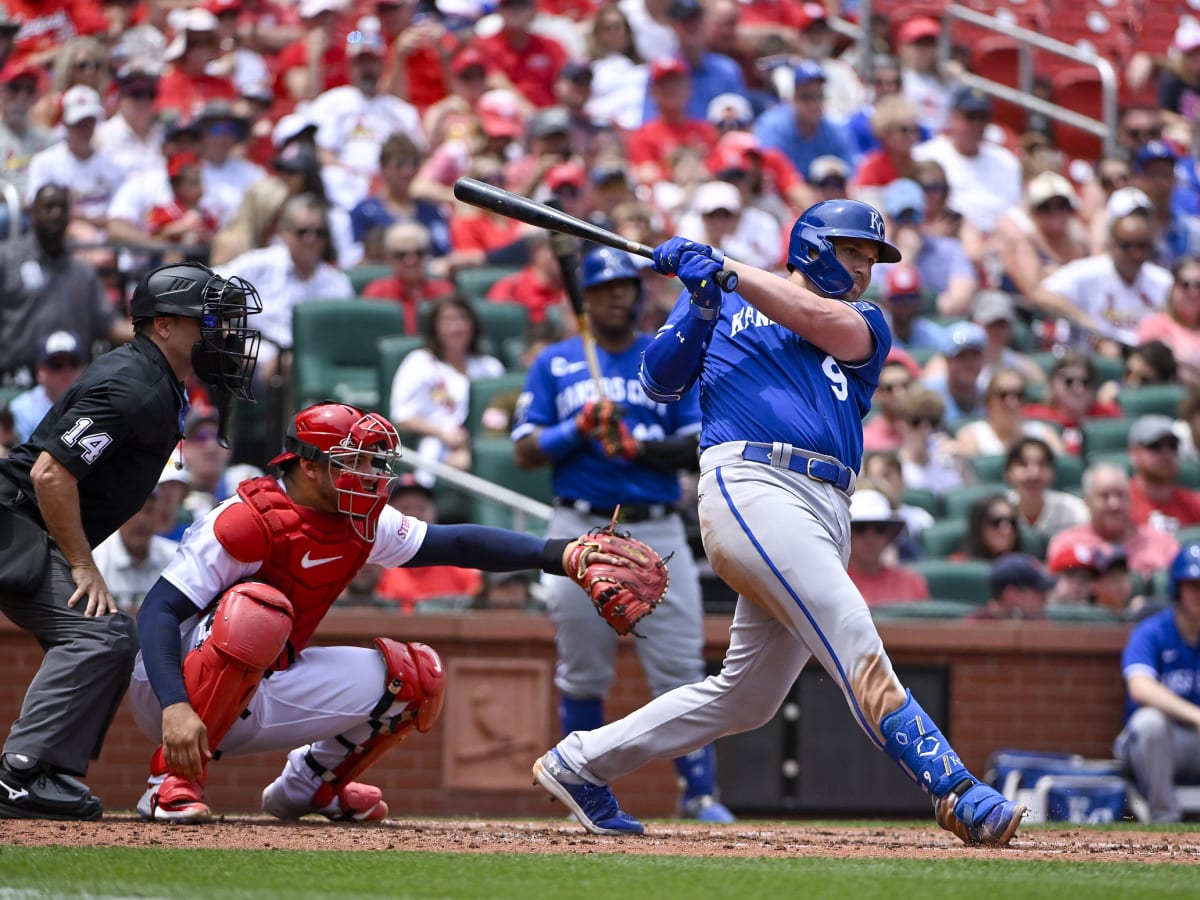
<point>726,278</point>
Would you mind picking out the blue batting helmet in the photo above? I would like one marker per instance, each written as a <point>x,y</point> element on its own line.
<point>810,251</point>
<point>608,264</point>
<point>1185,567</point>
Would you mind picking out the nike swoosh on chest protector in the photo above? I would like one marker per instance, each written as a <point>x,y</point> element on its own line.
<point>307,562</point>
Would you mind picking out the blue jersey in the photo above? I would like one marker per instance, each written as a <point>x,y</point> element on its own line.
<point>760,381</point>
<point>558,386</point>
<point>1157,649</point>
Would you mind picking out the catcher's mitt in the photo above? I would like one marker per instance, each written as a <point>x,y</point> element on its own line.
<point>623,595</point>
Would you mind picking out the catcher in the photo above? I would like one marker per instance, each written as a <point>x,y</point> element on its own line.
<point>620,450</point>
<point>251,582</point>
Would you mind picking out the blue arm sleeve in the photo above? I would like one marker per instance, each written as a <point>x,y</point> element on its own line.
<point>672,360</point>
<point>490,549</point>
<point>163,611</point>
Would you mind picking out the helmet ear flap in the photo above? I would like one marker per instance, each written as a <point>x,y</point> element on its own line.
<point>813,254</point>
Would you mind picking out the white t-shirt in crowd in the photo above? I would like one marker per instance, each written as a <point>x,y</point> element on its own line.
<point>982,186</point>
<point>1093,286</point>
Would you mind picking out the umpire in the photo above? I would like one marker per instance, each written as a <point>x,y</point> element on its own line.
<point>88,467</point>
<point>619,449</point>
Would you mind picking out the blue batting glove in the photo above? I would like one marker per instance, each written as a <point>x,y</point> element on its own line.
<point>667,255</point>
<point>698,272</point>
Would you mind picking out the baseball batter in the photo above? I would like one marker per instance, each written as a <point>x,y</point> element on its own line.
<point>225,663</point>
<point>786,369</point>
<point>623,449</point>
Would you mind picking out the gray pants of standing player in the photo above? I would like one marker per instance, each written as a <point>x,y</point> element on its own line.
<point>672,652</point>
<point>1160,751</point>
<point>76,692</point>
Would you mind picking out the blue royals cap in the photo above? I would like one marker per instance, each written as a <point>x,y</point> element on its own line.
<point>1153,151</point>
<point>807,70</point>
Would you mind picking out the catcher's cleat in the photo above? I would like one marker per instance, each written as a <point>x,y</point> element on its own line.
<point>979,815</point>
<point>708,809</point>
<point>174,799</point>
<point>593,805</point>
<point>355,802</point>
<point>31,792</point>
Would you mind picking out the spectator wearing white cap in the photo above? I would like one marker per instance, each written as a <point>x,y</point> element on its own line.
<point>354,120</point>
<point>1105,296</point>
<point>1034,239</point>
<point>187,84</point>
<point>89,174</point>
<point>874,528</point>
<point>958,383</point>
<point>828,177</point>
<point>60,360</point>
<point>716,216</point>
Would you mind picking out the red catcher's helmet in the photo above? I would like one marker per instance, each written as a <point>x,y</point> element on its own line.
<point>346,438</point>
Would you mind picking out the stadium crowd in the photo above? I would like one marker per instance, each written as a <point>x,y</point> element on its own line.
<point>1043,394</point>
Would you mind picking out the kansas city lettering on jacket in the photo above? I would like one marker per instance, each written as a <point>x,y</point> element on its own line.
<point>626,391</point>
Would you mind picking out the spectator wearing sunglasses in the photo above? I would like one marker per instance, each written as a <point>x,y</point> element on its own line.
<point>1004,423</point>
<point>1072,398</point>
<point>993,530</point>
<point>20,138</point>
<point>1155,494</point>
<point>133,135</point>
<point>929,457</point>
<point>881,432</point>
<point>873,567</point>
<point>407,246</point>
<point>1035,239</point>
<point>60,361</point>
<point>894,131</point>
<point>1179,325</point>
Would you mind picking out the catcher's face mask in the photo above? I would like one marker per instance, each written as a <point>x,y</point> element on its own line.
<point>360,467</point>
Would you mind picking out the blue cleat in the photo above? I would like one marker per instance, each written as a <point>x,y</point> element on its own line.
<point>706,809</point>
<point>979,815</point>
<point>593,805</point>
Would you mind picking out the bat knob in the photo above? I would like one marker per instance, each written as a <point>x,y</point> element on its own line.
<point>728,280</point>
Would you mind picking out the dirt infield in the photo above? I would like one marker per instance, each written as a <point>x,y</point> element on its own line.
<point>662,839</point>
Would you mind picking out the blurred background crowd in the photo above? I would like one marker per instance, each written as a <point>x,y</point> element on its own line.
<point>1043,395</point>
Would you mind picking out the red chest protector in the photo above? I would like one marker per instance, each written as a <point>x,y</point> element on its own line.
<point>308,555</point>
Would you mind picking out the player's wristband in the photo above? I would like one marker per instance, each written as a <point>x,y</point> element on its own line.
<point>561,440</point>
<point>552,555</point>
<point>699,311</point>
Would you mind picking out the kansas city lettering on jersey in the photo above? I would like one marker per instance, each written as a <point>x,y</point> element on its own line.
<point>747,317</point>
<point>626,391</point>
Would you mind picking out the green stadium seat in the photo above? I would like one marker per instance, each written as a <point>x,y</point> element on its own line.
<point>500,322</point>
<point>361,276</point>
<point>1081,614</point>
<point>390,352</point>
<point>492,458</point>
<point>1189,473</point>
<point>474,283</point>
<point>965,581</point>
<point>1108,368</point>
<point>943,537</point>
<point>922,355</point>
<point>1162,399</point>
<point>923,609</point>
<point>333,350</point>
<point>483,390</point>
<point>510,353</point>
<point>1188,534</point>
<point>1104,434</point>
<point>1119,458</point>
<point>1068,472</point>
<point>926,499</point>
<point>1034,542</point>
<point>958,501</point>
<point>989,467</point>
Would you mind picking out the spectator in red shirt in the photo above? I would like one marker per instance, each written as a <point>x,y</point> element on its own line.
<point>874,528</point>
<point>896,127</point>
<point>182,221</point>
<point>882,430</point>
<point>407,245</point>
<point>538,286</point>
<point>653,146</point>
<point>529,61</point>
<point>316,62</point>
<point>1155,494</point>
<point>1073,387</point>
<point>475,234</point>
<point>187,86</point>
<point>418,47</point>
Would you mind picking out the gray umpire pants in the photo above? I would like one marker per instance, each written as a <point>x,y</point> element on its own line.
<point>76,692</point>
<point>1160,751</point>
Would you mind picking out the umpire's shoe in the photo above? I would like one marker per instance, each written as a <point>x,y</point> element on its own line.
<point>593,805</point>
<point>979,814</point>
<point>27,791</point>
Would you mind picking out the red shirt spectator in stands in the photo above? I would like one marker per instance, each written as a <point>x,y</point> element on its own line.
<point>769,172</point>
<point>653,147</point>
<point>897,130</point>
<point>882,430</point>
<point>874,527</point>
<point>407,245</point>
<point>1155,494</point>
<point>45,28</point>
<point>182,221</point>
<point>416,52</point>
<point>1073,385</point>
<point>187,86</point>
<point>538,286</point>
<point>317,61</point>
<point>529,61</point>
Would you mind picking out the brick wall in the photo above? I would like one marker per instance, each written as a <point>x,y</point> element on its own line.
<point>1032,686</point>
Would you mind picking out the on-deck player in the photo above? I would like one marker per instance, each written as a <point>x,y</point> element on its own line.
<point>225,663</point>
<point>635,468</point>
<point>786,369</point>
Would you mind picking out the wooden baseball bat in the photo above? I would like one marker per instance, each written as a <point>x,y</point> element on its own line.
<point>566,251</point>
<point>514,206</point>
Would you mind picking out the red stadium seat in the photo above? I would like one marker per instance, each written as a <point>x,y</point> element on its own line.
<point>1078,89</point>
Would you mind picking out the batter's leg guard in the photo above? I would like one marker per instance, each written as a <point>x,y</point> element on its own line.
<point>251,626</point>
<point>416,678</point>
<point>698,781</point>
<point>975,812</point>
<point>580,714</point>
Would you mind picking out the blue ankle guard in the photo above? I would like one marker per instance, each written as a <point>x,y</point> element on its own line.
<point>916,744</point>
<point>580,715</point>
<point>698,772</point>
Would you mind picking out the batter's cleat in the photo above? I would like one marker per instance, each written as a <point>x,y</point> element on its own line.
<point>593,805</point>
<point>170,798</point>
<point>354,802</point>
<point>979,814</point>
<point>707,809</point>
<point>27,791</point>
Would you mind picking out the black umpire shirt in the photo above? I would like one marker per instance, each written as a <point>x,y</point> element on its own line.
<point>114,429</point>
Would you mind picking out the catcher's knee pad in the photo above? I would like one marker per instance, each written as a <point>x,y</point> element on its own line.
<point>251,626</point>
<point>415,677</point>
<point>914,741</point>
